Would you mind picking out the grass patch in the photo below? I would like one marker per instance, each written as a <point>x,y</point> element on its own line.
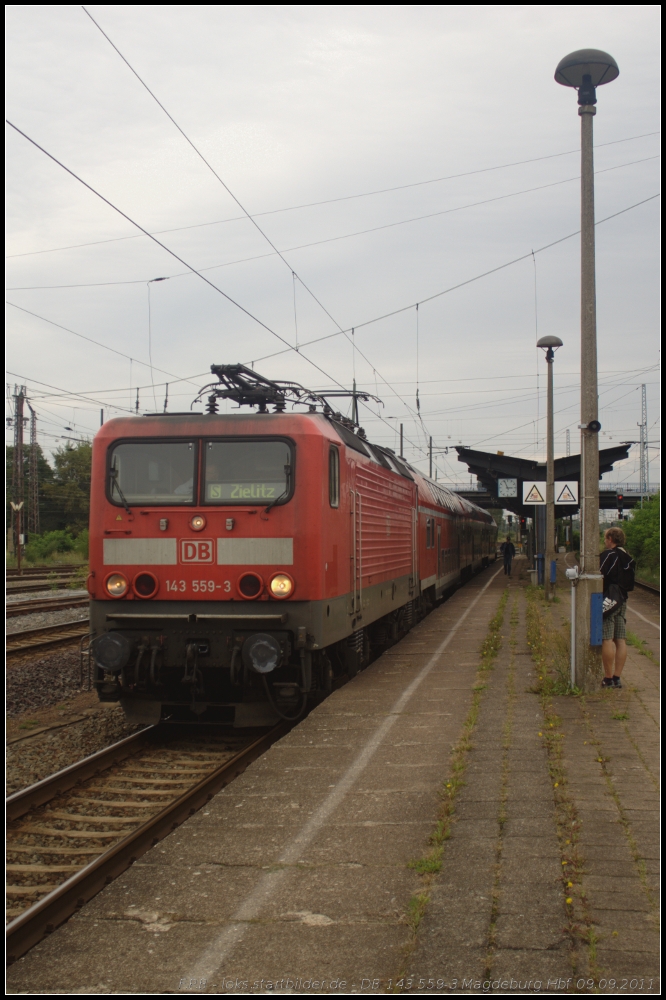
<point>622,815</point>
<point>431,863</point>
<point>415,910</point>
<point>490,646</point>
<point>507,730</point>
<point>551,682</point>
<point>550,648</point>
<point>640,645</point>
<point>619,715</point>
<point>424,866</point>
<point>79,578</point>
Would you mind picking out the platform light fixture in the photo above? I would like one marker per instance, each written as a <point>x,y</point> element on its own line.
<point>550,344</point>
<point>584,71</point>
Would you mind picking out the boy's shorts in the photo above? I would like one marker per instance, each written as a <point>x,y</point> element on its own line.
<point>615,626</point>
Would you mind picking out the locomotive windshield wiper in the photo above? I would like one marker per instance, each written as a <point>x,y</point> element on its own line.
<point>114,482</point>
<point>285,492</point>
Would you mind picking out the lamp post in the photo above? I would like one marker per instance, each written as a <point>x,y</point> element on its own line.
<point>549,345</point>
<point>585,70</point>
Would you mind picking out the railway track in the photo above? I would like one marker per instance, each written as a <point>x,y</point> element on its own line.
<point>43,638</point>
<point>32,571</point>
<point>47,604</point>
<point>647,586</point>
<point>34,587</point>
<point>73,833</point>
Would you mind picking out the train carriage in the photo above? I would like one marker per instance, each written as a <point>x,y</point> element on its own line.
<point>238,562</point>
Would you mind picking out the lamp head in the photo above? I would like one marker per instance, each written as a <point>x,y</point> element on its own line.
<point>549,344</point>
<point>585,70</point>
<point>549,341</point>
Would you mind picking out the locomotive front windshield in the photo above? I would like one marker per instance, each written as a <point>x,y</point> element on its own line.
<point>153,472</point>
<point>247,472</point>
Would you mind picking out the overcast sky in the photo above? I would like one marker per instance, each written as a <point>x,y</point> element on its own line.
<point>293,105</point>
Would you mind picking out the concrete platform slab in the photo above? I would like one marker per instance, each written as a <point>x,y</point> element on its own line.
<point>298,872</point>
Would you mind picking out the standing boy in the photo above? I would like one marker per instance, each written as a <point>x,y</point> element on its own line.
<point>617,569</point>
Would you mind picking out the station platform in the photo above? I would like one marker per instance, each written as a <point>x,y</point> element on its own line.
<point>447,822</point>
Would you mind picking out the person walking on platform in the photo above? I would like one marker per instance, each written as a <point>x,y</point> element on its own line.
<point>617,568</point>
<point>508,550</point>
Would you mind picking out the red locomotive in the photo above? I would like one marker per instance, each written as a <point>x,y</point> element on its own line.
<point>240,561</point>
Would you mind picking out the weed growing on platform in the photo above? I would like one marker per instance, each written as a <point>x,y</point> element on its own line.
<point>579,925</point>
<point>549,647</point>
<point>622,814</point>
<point>431,863</point>
<point>416,909</point>
<point>507,731</point>
<point>640,645</point>
<point>490,646</point>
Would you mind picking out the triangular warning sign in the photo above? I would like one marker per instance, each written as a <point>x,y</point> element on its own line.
<point>566,496</point>
<point>534,496</point>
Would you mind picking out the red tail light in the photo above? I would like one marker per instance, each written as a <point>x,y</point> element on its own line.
<point>145,585</point>
<point>250,585</point>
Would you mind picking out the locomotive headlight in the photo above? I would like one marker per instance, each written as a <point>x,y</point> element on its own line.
<point>282,585</point>
<point>198,522</point>
<point>116,585</point>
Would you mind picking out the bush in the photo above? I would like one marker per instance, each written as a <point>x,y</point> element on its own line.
<point>642,531</point>
<point>81,543</point>
<point>41,547</point>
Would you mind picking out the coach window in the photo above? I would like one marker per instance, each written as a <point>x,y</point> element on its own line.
<point>152,472</point>
<point>334,476</point>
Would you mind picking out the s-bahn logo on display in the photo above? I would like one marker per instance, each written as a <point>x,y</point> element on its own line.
<point>199,550</point>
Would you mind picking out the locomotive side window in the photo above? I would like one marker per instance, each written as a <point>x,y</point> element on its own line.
<point>334,476</point>
<point>152,472</point>
<point>248,471</point>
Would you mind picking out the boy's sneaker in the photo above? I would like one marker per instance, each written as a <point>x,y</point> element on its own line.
<point>617,683</point>
<point>607,682</point>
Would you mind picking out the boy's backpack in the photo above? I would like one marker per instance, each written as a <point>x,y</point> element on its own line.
<point>625,570</point>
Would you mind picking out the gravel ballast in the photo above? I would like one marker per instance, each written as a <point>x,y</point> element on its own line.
<point>43,754</point>
<point>38,680</point>
<point>42,619</point>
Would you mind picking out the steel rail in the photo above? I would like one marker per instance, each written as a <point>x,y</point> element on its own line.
<point>49,635</point>
<point>647,586</point>
<point>32,588</point>
<point>43,917</point>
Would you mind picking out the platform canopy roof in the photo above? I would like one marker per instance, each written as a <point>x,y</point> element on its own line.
<point>488,467</point>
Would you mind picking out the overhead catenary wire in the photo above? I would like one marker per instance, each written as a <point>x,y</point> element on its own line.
<point>330,201</point>
<point>236,199</point>
<point>164,247</point>
<point>561,410</point>
<point>330,239</point>
<point>208,165</point>
<point>393,312</point>
<point>468,281</point>
<point>322,388</point>
<point>90,340</point>
<point>194,271</point>
<point>78,395</point>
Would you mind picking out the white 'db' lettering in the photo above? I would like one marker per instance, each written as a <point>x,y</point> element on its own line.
<point>196,551</point>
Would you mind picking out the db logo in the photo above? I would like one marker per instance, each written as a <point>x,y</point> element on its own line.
<point>200,551</point>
